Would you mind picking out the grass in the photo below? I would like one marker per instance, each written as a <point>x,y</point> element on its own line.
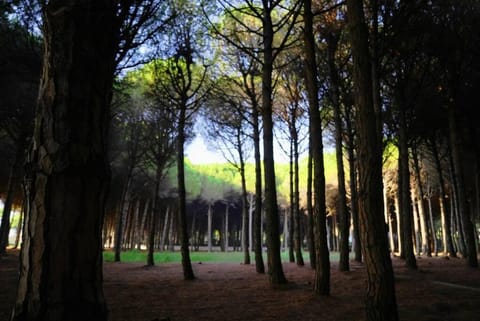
<point>136,256</point>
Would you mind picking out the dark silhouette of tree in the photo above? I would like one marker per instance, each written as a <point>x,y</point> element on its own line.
<point>380,298</point>
<point>322,260</point>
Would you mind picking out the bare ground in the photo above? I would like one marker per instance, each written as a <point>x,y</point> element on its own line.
<point>441,290</point>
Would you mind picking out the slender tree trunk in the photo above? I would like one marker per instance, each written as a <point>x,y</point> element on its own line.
<point>343,214</point>
<point>322,269</point>
<point>289,214</point>
<point>357,248</point>
<point>311,237</point>
<point>245,212</point>
<point>297,230</point>
<point>380,300</point>
<point>67,170</point>
<point>432,226</point>
<point>257,216</point>
<point>227,207</point>
<point>209,227</point>
<point>182,197</point>
<point>404,190</point>
<point>275,269</point>
<point>426,248</point>
<point>166,229</point>
<point>122,217</point>
<point>141,235</point>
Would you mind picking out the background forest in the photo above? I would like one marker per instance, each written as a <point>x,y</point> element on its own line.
<point>372,103</point>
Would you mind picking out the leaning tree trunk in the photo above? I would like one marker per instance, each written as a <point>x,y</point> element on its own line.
<point>67,170</point>
<point>380,301</point>
<point>322,269</point>
<point>182,197</point>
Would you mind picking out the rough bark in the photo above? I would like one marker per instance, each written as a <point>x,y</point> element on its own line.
<point>380,298</point>
<point>67,170</point>
<point>322,269</point>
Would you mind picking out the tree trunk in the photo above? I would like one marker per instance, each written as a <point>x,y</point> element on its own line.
<point>322,269</point>
<point>257,216</point>
<point>209,227</point>
<point>405,200</point>
<point>311,237</point>
<point>19,227</point>
<point>343,214</point>
<point>275,269</point>
<point>422,212</point>
<point>380,302</point>
<point>245,212</point>
<point>463,208</point>
<point>122,216</point>
<point>297,230</point>
<point>227,207</point>
<point>182,197</point>
<point>67,171</point>
<point>357,248</point>
<point>141,234</point>
<point>289,214</point>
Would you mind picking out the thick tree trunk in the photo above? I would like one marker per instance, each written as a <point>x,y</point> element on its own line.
<point>67,171</point>
<point>466,219</point>
<point>322,269</point>
<point>275,269</point>
<point>380,300</point>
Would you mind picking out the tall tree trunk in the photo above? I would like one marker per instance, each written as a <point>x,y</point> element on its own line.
<point>343,214</point>
<point>311,237</point>
<point>227,207</point>
<point>245,212</point>
<point>67,171</point>
<point>422,212</point>
<point>182,197</point>
<point>405,200</point>
<point>289,214</point>
<point>464,210</point>
<point>380,301</point>
<point>275,269</point>
<point>297,230</point>
<point>141,234</point>
<point>322,269</point>
<point>357,248</point>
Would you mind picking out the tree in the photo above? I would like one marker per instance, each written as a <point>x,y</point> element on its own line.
<point>67,171</point>
<point>380,298</point>
<point>322,260</point>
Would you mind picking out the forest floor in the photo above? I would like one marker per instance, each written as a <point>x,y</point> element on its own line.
<point>440,290</point>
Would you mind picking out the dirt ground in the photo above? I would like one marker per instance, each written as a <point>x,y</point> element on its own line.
<point>441,290</point>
